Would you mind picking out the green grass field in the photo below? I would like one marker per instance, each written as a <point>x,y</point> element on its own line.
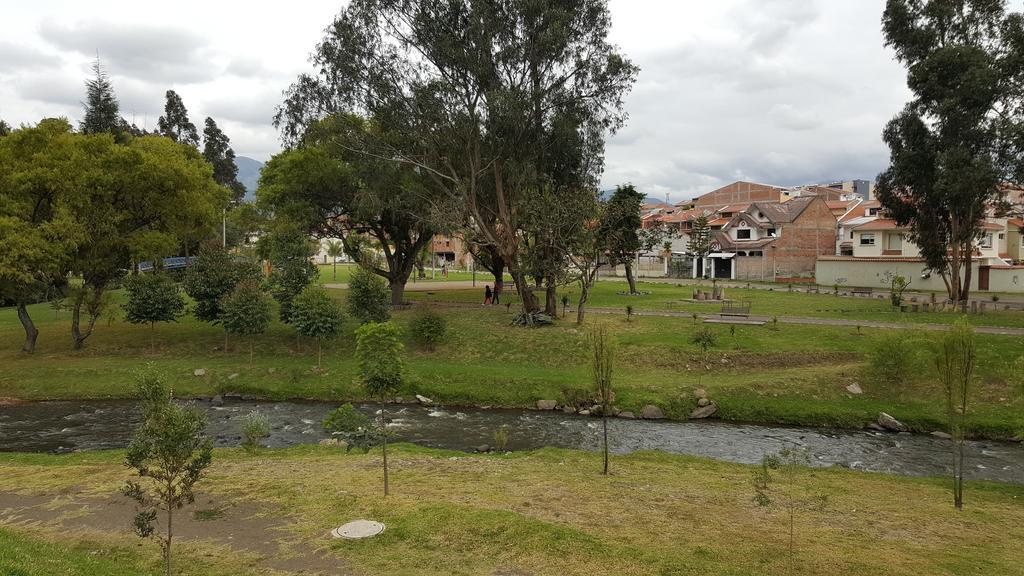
<point>543,512</point>
<point>794,375</point>
<point>663,297</point>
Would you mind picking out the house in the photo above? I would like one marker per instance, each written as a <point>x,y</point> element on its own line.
<point>1015,240</point>
<point>766,240</point>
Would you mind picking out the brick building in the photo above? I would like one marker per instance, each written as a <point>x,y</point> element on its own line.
<point>769,240</point>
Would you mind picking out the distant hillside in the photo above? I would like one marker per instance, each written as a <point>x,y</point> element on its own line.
<point>248,175</point>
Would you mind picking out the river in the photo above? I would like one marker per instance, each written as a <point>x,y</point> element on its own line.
<point>62,426</point>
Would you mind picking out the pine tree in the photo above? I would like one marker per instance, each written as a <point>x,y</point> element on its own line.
<point>101,108</point>
<point>217,151</point>
<point>5,128</point>
<point>175,123</point>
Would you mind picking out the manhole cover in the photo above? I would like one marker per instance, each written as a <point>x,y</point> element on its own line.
<point>358,529</point>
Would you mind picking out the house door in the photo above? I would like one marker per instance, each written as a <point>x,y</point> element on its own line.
<point>983,277</point>
<point>723,268</point>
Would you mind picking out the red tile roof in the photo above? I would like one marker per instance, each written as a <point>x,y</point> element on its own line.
<point>881,224</point>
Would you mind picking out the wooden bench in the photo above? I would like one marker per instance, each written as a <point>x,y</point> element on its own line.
<point>866,291</point>
<point>735,309</point>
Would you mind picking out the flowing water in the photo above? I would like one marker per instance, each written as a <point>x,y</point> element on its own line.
<point>95,425</point>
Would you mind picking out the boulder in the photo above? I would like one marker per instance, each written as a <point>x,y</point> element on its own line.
<point>483,448</point>
<point>627,415</point>
<point>651,412</point>
<point>700,393</point>
<point>218,400</point>
<point>854,389</point>
<point>546,404</point>
<point>703,402</point>
<point>568,409</point>
<point>584,412</point>
<point>940,434</point>
<point>704,411</point>
<point>889,423</point>
<point>424,400</point>
<point>199,372</point>
<point>873,426</point>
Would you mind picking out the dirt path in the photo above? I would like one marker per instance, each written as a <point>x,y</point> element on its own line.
<point>246,527</point>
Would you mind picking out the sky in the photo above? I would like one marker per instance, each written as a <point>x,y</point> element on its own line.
<point>782,92</point>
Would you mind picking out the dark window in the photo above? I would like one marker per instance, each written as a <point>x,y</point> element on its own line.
<point>771,232</point>
<point>743,234</point>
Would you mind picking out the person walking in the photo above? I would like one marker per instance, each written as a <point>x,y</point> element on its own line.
<point>487,295</point>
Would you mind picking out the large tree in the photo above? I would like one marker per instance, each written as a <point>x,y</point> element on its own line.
<point>175,124</point>
<point>101,107</point>
<point>338,193</point>
<point>486,99</point>
<point>622,229</point>
<point>40,168</point>
<point>218,152</point>
<point>135,202</point>
<point>960,137</point>
<point>5,128</point>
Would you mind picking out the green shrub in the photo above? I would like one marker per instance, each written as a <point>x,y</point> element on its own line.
<point>428,328</point>
<point>368,297</point>
<point>255,427</point>
<point>501,439</point>
<point>893,361</point>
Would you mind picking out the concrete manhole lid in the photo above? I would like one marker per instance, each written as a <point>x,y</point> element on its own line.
<point>358,529</point>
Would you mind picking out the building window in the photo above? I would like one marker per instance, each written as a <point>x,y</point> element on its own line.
<point>1001,235</point>
<point>867,239</point>
<point>895,242</point>
<point>872,211</point>
<point>986,241</point>
<point>772,233</point>
<point>743,234</point>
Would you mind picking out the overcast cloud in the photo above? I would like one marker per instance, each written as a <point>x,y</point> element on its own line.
<point>776,91</point>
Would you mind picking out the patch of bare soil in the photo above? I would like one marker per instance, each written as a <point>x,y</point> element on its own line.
<point>740,360</point>
<point>242,526</point>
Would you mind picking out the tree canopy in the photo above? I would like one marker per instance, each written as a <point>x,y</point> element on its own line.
<point>485,100</point>
<point>960,137</point>
<point>218,152</point>
<point>175,124</point>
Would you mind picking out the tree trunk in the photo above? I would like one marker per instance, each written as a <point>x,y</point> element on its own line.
<point>77,335</point>
<point>335,268</point>
<point>250,349</point>
<point>526,296</point>
<point>31,332</point>
<point>965,291</point>
<point>384,445</point>
<point>604,424</point>
<point>397,291</point>
<point>170,535</point>
<point>551,297</point>
<point>319,352</point>
<point>630,278</point>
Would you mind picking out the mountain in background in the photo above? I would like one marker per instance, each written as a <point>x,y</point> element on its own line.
<point>248,175</point>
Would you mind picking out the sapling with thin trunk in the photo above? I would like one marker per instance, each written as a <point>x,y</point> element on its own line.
<point>955,359</point>
<point>778,484</point>
<point>170,453</point>
<point>602,347</point>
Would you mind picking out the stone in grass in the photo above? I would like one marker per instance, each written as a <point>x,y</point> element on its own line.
<point>651,412</point>
<point>546,404</point>
<point>704,411</point>
<point>424,400</point>
<point>889,423</point>
<point>854,389</point>
<point>358,529</point>
<point>703,402</point>
<point>700,393</point>
<point>233,376</point>
<point>199,372</point>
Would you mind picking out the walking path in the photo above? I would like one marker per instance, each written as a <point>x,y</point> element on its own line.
<point>786,320</point>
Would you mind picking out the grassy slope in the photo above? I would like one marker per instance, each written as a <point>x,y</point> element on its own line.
<point>550,512</point>
<point>795,375</point>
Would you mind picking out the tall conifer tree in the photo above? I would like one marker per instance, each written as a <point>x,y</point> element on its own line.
<point>175,123</point>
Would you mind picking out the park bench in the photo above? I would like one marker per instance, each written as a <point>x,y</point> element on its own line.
<point>866,291</point>
<point>735,309</point>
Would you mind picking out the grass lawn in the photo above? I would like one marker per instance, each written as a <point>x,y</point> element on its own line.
<point>543,512</point>
<point>676,298</point>
<point>794,375</point>
<point>327,275</point>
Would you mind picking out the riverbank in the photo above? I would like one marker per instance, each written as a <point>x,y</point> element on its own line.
<point>787,374</point>
<point>542,512</point>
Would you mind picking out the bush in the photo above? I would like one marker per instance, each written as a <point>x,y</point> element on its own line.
<point>893,360</point>
<point>255,427</point>
<point>368,297</point>
<point>428,328</point>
